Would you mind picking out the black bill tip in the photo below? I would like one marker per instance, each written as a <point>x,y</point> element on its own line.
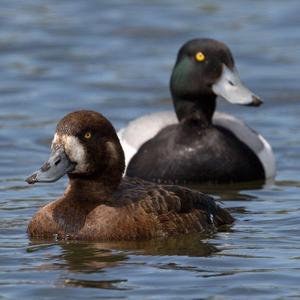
<point>31,179</point>
<point>255,101</point>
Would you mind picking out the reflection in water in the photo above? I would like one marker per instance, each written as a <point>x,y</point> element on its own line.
<point>87,263</point>
<point>233,191</point>
<point>58,56</point>
<point>79,257</point>
<point>287,183</point>
<point>100,284</point>
<point>89,257</point>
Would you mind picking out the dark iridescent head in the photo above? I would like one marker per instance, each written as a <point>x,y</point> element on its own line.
<point>205,69</point>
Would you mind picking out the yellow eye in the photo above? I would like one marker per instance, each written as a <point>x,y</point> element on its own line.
<point>199,56</point>
<point>87,135</point>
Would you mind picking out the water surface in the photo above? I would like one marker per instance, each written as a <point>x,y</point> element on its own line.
<point>116,57</point>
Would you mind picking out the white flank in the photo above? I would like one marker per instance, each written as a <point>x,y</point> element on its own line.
<point>146,127</point>
<point>267,158</point>
<point>143,129</point>
<point>253,140</point>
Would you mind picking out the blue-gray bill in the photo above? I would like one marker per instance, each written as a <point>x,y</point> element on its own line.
<point>56,167</point>
<point>230,87</point>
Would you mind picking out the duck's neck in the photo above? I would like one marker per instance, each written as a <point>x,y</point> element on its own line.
<point>200,108</point>
<point>92,188</point>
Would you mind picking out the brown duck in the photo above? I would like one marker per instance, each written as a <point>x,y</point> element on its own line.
<point>99,204</point>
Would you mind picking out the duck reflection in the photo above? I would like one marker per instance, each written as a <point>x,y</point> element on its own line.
<point>91,257</point>
<point>86,265</point>
<point>233,191</point>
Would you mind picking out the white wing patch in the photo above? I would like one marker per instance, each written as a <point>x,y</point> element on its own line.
<point>146,127</point>
<point>253,140</point>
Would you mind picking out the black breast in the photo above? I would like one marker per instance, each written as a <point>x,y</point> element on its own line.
<point>187,153</point>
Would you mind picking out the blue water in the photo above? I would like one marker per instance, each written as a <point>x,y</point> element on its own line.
<point>116,57</point>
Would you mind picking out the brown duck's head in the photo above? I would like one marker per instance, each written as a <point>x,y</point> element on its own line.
<point>85,146</point>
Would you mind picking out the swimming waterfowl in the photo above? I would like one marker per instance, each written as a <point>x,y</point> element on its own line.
<point>198,144</point>
<point>99,204</point>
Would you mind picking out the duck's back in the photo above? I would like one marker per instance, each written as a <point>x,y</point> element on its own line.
<point>166,210</point>
<point>137,210</point>
<point>187,153</point>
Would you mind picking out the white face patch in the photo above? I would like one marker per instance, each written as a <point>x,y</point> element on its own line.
<point>74,150</point>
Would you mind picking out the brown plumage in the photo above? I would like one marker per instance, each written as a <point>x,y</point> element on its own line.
<point>99,205</point>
